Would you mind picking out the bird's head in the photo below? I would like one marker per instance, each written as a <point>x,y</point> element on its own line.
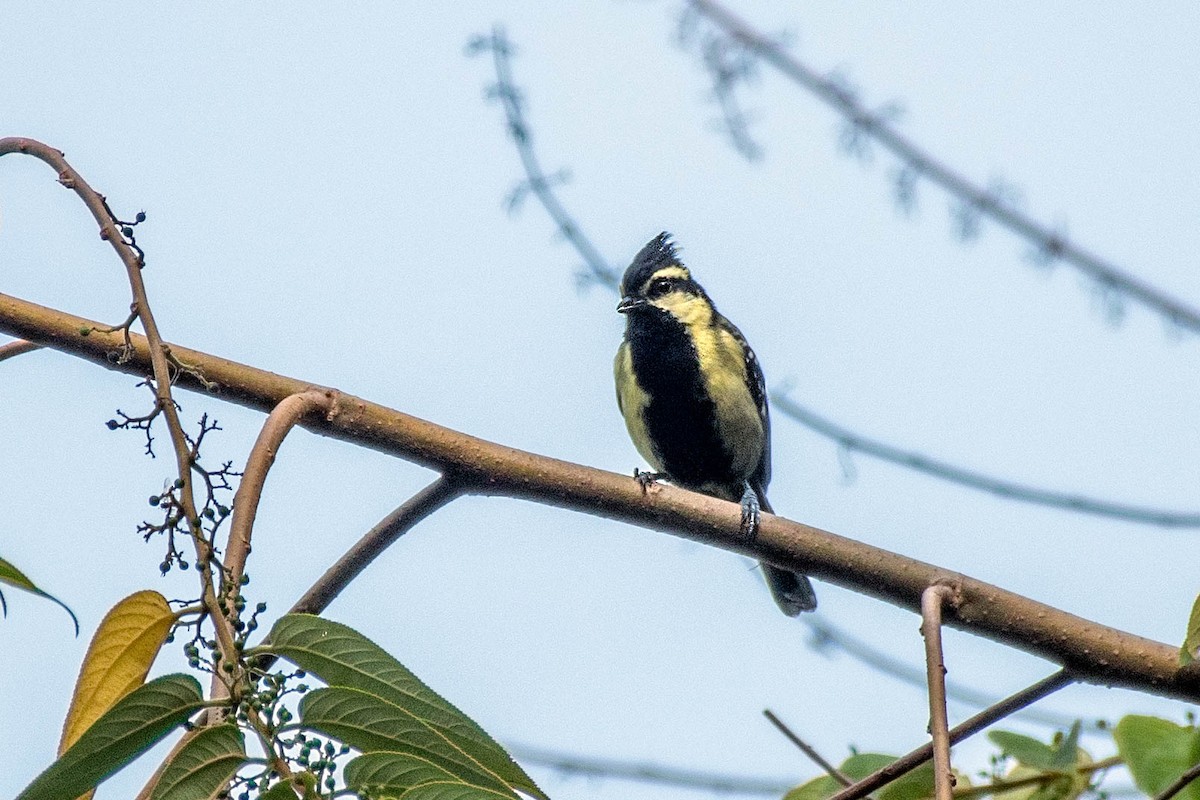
<point>657,281</point>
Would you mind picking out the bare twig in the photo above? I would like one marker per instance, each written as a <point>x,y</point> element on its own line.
<point>973,200</point>
<point>157,363</point>
<point>111,230</point>
<point>1180,784</point>
<point>807,749</point>
<point>19,347</point>
<point>1005,785</point>
<point>375,541</point>
<point>910,761</point>
<point>1093,652</point>
<point>932,600</point>
<point>976,480</point>
<point>537,181</point>
<point>827,636</point>
<point>650,773</point>
<point>280,421</point>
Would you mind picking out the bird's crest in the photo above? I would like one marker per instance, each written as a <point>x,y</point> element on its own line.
<point>659,252</point>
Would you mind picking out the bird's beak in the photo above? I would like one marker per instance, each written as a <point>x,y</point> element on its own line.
<point>628,304</point>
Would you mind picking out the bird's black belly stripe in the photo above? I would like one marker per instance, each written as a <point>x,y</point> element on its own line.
<point>680,417</point>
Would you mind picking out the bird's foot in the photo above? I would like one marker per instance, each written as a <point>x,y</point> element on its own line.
<point>647,479</point>
<point>751,511</point>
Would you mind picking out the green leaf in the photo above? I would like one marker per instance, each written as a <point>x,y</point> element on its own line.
<point>394,774</point>
<point>371,724</point>
<point>451,791</point>
<point>1157,752</point>
<point>1191,640</point>
<point>1066,753</point>
<point>341,656</point>
<point>911,786</point>
<point>284,791</point>
<point>14,577</point>
<point>203,766</point>
<point>137,722</point>
<point>1025,749</point>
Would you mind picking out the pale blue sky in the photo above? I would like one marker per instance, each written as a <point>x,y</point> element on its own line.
<point>325,199</point>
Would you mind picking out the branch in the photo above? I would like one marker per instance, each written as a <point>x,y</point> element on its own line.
<point>650,773</point>
<point>827,635</point>
<point>14,349</point>
<point>807,749</point>
<point>975,200</point>
<point>157,362</point>
<point>932,600</point>
<point>1093,652</point>
<point>910,761</point>
<point>285,416</point>
<point>374,542</point>
<point>1180,784</point>
<point>976,480</point>
<point>537,181</point>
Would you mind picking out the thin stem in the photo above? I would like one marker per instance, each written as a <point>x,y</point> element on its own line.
<point>1003,785</point>
<point>910,761</point>
<point>1180,783</point>
<point>715,783</point>
<point>1001,487</point>
<point>375,541</point>
<point>932,600</point>
<point>876,126</point>
<point>807,749</point>
<point>285,416</point>
<point>14,349</point>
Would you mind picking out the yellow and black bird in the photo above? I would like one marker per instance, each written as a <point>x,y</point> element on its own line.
<point>694,399</point>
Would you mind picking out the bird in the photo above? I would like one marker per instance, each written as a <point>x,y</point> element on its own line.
<point>694,399</point>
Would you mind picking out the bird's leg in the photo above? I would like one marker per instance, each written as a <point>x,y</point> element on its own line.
<point>647,478</point>
<point>750,511</point>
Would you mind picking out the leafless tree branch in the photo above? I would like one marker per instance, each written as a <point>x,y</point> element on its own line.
<point>994,202</point>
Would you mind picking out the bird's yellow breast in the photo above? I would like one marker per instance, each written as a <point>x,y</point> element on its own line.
<point>633,400</point>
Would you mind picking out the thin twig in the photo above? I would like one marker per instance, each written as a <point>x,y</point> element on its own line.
<point>1005,785</point>
<point>932,600</point>
<point>280,421</point>
<point>375,541</point>
<point>986,201</point>
<point>368,548</point>
<point>157,364</point>
<point>14,349</point>
<point>807,749</point>
<point>976,480</point>
<point>826,636</point>
<point>1180,783</point>
<point>536,179</point>
<point>1095,652</point>
<point>910,761</point>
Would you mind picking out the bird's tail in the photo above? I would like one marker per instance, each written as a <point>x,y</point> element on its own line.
<point>793,591</point>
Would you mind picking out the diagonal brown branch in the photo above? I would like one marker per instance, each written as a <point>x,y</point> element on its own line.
<point>375,541</point>
<point>910,761</point>
<point>1092,651</point>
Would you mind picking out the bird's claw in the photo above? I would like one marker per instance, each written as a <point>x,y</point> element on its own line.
<point>751,510</point>
<point>646,479</point>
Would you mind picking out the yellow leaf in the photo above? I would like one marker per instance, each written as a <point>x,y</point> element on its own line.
<point>117,660</point>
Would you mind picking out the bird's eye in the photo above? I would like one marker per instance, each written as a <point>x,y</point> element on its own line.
<point>659,287</point>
